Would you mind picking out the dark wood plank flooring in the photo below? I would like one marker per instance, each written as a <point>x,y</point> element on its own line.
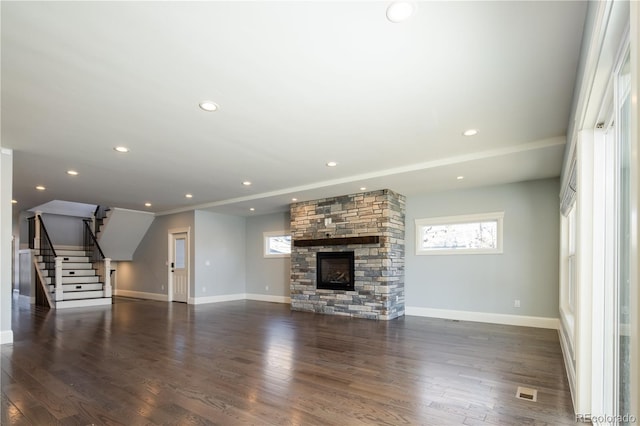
<point>153,363</point>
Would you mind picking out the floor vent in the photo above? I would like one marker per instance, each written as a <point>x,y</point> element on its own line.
<point>527,394</point>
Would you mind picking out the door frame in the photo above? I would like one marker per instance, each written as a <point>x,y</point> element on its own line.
<point>170,246</point>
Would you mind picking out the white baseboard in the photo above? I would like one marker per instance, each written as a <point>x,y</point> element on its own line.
<point>141,295</point>
<point>217,299</point>
<point>520,320</point>
<point>6,337</point>
<point>268,298</point>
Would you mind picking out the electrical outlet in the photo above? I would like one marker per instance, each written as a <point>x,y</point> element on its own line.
<point>516,303</point>
<point>266,287</point>
<point>162,287</point>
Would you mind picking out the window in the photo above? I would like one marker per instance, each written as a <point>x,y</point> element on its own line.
<point>470,234</point>
<point>277,244</point>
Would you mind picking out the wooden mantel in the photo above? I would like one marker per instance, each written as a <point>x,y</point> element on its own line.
<point>369,239</point>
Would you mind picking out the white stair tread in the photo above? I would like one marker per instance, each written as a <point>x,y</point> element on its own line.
<point>77,259</point>
<point>101,301</point>
<point>75,295</point>
<point>80,280</point>
<point>73,265</point>
<point>71,253</point>
<point>77,287</point>
<point>78,272</point>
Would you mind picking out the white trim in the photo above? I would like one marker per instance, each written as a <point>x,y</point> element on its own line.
<point>568,355</point>
<point>268,298</point>
<point>265,243</point>
<point>81,303</point>
<point>493,318</point>
<point>458,220</point>
<point>141,295</point>
<point>217,299</point>
<point>6,337</point>
<point>133,211</point>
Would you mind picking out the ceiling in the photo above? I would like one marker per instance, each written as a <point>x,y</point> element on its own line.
<point>298,84</point>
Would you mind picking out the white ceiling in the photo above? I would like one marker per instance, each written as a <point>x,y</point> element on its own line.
<point>298,84</point>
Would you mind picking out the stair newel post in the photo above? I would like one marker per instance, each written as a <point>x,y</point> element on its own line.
<point>107,277</point>
<point>59,295</point>
<point>36,242</point>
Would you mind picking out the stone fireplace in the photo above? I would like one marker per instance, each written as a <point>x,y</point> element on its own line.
<point>330,236</point>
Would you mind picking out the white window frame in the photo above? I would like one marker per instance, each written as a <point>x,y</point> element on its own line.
<point>267,237</point>
<point>455,220</point>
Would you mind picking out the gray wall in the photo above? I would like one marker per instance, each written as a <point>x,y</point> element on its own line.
<point>219,254</point>
<point>63,230</point>
<point>148,272</point>
<point>6,213</point>
<point>527,270</point>
<point>261,271</point>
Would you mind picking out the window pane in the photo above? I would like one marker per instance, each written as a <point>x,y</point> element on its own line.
<point>477,235</point>
<point>180,253</point>
<point>280,244</point>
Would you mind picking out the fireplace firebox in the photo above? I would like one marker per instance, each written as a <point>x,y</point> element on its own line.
<point>335,271</point>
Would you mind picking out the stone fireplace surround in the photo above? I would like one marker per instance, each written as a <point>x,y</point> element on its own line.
<point>370,224</point>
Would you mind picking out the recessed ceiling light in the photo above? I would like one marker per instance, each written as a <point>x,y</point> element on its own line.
<point>252,209</point>
<point>208,106</point>
<point>121,149</point>
<point>460,177</point>
<point>246,183</point>
<point>72,172</point>
<point>399,11</point>
<point>14,202</point>
<point>40,188</point>
<point>294,199</point>
<point>332,164</point>
<point>188,195</point>
<point>470,132</point>
<point>363,188</point>
<point>147,204</point>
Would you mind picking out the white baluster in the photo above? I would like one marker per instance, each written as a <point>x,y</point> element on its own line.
<point>59,291</point>
<point>107,277</point>
<point>36,242</point>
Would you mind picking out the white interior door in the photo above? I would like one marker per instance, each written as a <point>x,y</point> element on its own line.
<point>179,267</point>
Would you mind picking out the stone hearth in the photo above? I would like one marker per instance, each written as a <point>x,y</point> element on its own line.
<point>371,225</point>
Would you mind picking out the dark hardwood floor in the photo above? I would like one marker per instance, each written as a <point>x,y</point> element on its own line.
<point>145,363</point>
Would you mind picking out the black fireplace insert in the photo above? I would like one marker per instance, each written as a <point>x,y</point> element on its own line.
<point>335,271</point>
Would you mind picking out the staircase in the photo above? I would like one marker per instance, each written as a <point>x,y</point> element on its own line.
<point>70,278</point>
<point>81,284</point>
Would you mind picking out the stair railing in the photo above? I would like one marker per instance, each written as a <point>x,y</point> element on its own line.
<point>100,263</point>
<point>98,218</point>
<point>52,263</point>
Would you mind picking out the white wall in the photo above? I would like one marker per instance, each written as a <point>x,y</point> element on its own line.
<point>262,272</point>
<point>220,267</point>
<point>489,283</point>
<point>6,184</point>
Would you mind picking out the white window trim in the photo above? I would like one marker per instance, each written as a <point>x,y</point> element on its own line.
<point>265,245</point>
<point>450,220</point>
